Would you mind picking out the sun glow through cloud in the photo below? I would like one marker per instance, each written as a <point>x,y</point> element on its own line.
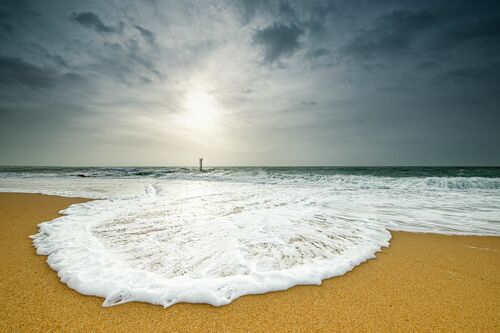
<point>201,109</point>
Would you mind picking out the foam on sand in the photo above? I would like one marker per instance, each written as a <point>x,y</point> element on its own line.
<point>212,242</point>
<point>200,248</point>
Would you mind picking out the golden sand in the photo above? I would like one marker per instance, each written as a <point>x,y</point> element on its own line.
<point>423,282</point>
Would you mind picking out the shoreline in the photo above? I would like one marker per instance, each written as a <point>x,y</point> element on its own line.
<point>422,282</point>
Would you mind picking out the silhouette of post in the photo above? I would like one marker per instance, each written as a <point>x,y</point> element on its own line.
<point>201,164</point>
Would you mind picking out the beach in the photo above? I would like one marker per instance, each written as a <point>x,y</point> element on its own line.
<point>422,282</point>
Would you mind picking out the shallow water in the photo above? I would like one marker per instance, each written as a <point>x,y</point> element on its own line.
<point>169,235</point>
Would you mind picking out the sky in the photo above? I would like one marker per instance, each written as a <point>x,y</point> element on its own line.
<point>243,82</point>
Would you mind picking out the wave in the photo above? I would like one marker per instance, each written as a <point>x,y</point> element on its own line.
<point>214,241</point>
<point>464,183</point>
<point>211,237</point>
<point>149,251</point>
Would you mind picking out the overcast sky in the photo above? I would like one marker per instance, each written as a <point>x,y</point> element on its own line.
<point>250,82</point>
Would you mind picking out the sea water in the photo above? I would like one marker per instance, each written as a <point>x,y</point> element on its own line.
<point>169,235</point>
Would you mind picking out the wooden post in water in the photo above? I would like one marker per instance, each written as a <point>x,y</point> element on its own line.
<point>201,163</point>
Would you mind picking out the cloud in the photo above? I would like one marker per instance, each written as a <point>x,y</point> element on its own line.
<point>391,34</point>
<point>92,21</point>
<point>426,65</point>
<point>16,10</point>
<point>319,15</point>
<point>434,31</point>
<point>426,56</point>
<point>320,52</point>
<point>41,52</point>
<point>148,35</point>
<point>322,10</point>
<point>6,29</point>
<point>278,40</point>
<point>484,29</point>
<point>285,10</point>
<point>135,54</point>
<point>17,72</point>
<point>249,8</point>
<point>466,74</point>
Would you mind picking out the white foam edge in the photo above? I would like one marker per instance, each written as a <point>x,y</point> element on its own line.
<point>117,283</point>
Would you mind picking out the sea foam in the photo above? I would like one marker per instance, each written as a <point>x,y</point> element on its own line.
<point>165,241</point>
<point>202,243</point>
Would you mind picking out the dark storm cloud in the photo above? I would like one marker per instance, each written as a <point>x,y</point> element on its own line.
<point>320,52</point>
<point>319,14</point>
<point>18,73</point>
<point>348,82</point>
<point>466,73</point>
<point>6,29</point>
<point>278,40</point>
<point>148,35</point>
<point>92,21</point>
<point>391,34</point>
<point>285,10</point>
<point>426,65</point>
<point>14,10</point>
<point>485,29</point>
<point>480,28</point>
<point>478,74</point>
<point>250,8</point>
<point>431,31</point>
<point>40,51</point>
<point>322,10</point>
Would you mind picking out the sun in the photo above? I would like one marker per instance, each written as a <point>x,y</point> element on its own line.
<point>201,109</point>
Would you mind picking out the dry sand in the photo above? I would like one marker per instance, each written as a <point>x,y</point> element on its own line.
<point>423,282</point>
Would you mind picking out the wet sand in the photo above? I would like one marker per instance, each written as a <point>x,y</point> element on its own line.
<point>423,282</point>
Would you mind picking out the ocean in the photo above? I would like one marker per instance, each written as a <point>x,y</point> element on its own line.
<point>173,234</point>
